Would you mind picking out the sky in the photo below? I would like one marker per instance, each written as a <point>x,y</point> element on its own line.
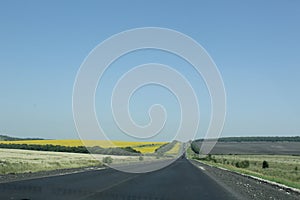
<point>255,45</point>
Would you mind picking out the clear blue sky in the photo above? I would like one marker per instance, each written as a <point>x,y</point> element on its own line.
<point>255,45</point>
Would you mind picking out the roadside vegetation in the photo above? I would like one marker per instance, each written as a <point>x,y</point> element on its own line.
<point>107,160</point>
<point>278,168</point>
<point>13,161</point>
<point>26,156</point>
<point>19,155</point>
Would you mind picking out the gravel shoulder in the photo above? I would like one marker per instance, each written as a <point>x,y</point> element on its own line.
<point>246,187</point>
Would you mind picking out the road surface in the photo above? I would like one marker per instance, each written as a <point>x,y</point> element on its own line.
<point>181,180</point>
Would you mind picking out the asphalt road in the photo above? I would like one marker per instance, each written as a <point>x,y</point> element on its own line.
<point>180,180</point>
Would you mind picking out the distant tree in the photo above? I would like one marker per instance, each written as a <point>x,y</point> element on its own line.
<point>265,164</point>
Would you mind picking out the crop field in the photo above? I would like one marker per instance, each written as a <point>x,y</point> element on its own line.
<point>263,148</point>
<point>283,169</point>
<point>146,149</point>
<point>24,161</point>
<point>21,161</point>
<point>143,147</point>
<point>175,149</point>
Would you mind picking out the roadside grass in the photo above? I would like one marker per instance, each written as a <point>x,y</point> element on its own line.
<point>25,161</point>
<point>13,161</point>
<point>282,169</point>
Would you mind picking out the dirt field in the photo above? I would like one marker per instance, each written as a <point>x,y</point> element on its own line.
<point>263,148</point>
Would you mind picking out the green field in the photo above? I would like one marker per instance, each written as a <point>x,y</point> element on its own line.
<point>282,169</point>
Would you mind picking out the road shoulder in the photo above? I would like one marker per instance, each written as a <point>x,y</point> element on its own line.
<point>244,186</point>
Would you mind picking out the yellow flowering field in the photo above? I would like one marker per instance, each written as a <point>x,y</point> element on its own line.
<point>143,147</point>
<point>148,149</point>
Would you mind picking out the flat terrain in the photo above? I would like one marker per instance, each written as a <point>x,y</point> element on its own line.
<point>180,180</point>
<point>275,148</point>
<point>281,168</point>
<point>26,161</point>
<point>143,147</point>
<point>282,157</point>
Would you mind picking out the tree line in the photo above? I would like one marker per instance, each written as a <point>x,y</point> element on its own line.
<point>8,138</point>
<point>77,149</point>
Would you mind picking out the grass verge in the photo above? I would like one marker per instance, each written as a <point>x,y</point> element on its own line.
<point>281,169</point>
<point>13,161</point>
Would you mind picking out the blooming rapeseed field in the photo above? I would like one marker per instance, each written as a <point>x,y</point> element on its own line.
<point>143,147</point>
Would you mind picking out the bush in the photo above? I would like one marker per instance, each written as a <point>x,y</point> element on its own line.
<point>107,160</point>
<point>265,164</point>
<point>209,158</point>
<point>243,164</point>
